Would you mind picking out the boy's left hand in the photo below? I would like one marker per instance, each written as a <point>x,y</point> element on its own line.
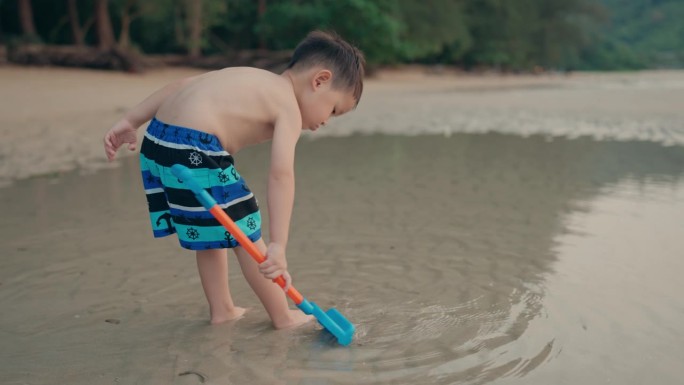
<point>121,133</point>
<point>275,264</point>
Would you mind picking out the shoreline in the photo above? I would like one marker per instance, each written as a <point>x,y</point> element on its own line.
<point>53,119</point>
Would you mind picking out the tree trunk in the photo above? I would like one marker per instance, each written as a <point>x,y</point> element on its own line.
<point>179,25</point>
<point>26,18</point>
<point>124,37</point>
<point>105,33</point>
<point>261,11</point>
<point>195,28</point>
<point>131,11</point>
<point>76,30</point>
<point>74,56</point>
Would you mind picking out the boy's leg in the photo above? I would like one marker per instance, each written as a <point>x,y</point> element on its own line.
<point>213,270</point>
<point>270,294</point>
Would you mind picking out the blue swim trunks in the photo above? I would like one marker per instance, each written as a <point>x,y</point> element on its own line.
<point>174,208</point>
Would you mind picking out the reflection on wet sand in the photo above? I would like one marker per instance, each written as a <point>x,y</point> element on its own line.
<point>442,250</point>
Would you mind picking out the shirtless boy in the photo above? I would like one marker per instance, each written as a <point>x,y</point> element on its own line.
<point>201,122</point>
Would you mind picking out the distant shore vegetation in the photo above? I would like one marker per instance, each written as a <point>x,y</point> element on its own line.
<point>503,35</point>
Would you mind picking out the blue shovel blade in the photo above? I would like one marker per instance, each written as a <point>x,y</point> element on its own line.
<point>334,322</point>
<point>345,325</point>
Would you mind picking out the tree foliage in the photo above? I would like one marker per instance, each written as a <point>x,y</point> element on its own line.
<point>637,34</point>
<point>505,34</point>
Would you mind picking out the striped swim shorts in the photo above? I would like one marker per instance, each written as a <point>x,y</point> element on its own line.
<point>174,208</point>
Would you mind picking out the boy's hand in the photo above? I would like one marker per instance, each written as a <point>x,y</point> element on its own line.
<point>275,264</point>
<point>121,133</point>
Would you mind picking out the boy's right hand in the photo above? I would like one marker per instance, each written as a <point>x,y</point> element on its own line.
<point>276,264</point>
<point>121,133</point>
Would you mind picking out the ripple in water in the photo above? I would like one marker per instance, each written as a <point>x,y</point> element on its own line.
<point>441,344</point>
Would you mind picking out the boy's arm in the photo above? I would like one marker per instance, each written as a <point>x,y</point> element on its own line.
<point>281,183</point>
<point>124,131</point>
<point>281,187</point>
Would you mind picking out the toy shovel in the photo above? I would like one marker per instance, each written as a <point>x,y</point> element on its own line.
<point>332,320</point>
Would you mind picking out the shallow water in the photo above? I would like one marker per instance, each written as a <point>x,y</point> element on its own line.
<point>468,259</point>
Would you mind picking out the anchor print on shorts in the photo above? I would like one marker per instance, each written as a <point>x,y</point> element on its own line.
<point>166,217</point>
<point>205,138</point>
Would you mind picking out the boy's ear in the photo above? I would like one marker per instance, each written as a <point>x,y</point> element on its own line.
<point>321,77</point>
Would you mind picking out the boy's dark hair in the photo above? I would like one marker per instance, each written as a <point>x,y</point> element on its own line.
<point>330,50</point>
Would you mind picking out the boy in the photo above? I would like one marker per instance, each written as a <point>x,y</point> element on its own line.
<point>201,122</point>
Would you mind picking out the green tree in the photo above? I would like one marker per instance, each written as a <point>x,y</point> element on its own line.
<point>432,27</point>
<point>368,24</point>
<point>526,33</point>
<point>639,34</point>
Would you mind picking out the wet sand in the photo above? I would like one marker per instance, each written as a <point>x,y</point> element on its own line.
<point>516,257</point>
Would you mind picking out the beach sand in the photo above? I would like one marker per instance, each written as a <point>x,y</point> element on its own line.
<point>476,229</point>
<point>52,120</point>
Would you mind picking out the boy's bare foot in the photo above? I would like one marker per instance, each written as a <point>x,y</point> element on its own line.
<point>296,318</point>
<point>234,314</point>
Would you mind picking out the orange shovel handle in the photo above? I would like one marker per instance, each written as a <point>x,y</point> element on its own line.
<point>251,248</point>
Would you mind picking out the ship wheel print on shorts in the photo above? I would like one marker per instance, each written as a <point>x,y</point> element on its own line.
<point>192,233</point>
<point>195,158</point>
<point>223,177</point>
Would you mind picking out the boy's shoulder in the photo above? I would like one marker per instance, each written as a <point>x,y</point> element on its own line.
<point>262,92</point>
<point>251,80</point>
<point>248,75</point>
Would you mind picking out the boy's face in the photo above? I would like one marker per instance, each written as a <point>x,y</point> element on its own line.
<point>323,102</point>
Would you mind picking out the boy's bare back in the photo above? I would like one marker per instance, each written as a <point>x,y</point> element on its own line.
<point>239,105</point>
